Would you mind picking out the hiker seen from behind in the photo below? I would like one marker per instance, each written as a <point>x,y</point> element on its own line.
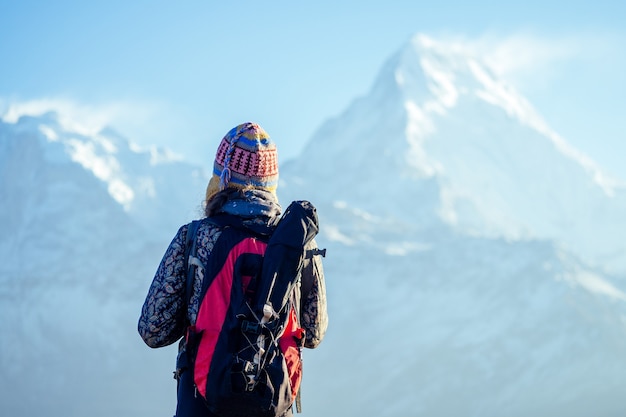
<point>241,289</point>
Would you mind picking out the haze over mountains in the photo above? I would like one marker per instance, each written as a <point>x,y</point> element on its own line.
<point>475,263</point>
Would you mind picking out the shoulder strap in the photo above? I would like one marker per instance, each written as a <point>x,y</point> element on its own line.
<point>190,252</point>
<point>191,260</point>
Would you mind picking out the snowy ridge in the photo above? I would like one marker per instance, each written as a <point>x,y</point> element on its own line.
<point>85,220</point>
<point>446,65</point>
<point>440,126</point>
<point>136,178</point>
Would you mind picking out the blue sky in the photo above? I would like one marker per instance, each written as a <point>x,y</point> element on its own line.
<point>181,74</point>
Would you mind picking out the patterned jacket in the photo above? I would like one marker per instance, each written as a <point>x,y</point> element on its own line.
<point>163,322</point>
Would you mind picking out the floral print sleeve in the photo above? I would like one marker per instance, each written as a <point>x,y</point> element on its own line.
<point>313,315</point>
<point>162,320</point>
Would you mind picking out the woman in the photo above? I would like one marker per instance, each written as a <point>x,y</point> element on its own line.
<point>242,188</point>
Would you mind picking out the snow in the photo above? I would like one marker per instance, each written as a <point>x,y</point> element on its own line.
<point>474,258</point>
<point>594,283</point>
<point>500,169</point>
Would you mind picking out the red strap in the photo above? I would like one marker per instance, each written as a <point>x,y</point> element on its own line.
<point>290,346</point>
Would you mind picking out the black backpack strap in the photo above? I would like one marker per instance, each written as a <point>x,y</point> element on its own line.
<point>190,251</point>
<point>191,261</point>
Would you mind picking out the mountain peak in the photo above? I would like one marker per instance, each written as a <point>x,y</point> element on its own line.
<point>134,178</point>
<point>436,76</point>
<point>440,127</point>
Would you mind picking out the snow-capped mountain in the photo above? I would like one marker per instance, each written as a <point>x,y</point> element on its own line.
<point>84,222</point>
<point>442,132</point>
<point>473,247</point>
<point>474,265</point>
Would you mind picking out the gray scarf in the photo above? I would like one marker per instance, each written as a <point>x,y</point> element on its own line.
<point>257,208</point>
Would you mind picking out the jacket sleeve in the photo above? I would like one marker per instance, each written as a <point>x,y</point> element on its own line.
<point>314,313</point>
<point>162,320</point>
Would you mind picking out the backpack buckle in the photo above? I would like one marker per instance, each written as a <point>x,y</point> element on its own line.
<point>250,371</point>
<point>248,326</point>
<point>244,375</point>
<point>250,368</point>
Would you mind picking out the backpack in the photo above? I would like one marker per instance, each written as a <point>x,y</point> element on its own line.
<point>244,350</point>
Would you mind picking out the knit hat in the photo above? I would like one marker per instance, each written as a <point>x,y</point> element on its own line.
<point>246,156</point>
